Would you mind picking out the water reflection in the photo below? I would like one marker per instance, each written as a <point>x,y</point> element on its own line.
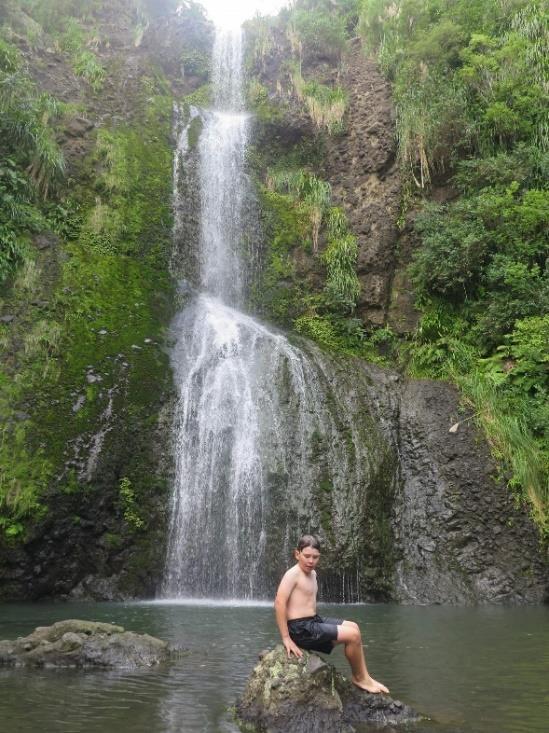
<point>478,670</point>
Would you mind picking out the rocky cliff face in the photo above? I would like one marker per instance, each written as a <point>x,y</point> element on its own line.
<point>359,162</point>
<point>441,527</point>
<point>89,419</point>
<point>431,522</point>
<point>360,165</point>
<point>436,525</point>
<point>459,534</point>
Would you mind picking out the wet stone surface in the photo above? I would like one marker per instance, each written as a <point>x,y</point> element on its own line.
<point>75,643</point>
<point>308,696</point>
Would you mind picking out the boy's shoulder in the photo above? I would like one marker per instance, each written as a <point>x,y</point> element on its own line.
<point>292,573</point>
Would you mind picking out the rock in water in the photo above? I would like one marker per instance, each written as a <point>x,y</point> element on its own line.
<point>310,696</point>
<point>75,643</point>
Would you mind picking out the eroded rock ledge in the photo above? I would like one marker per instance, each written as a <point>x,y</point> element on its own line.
<point>75,643</point>
<point>310,696</point>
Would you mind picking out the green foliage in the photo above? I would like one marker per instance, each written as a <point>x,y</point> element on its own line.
<point>320,33</point>
<point>524,358</point>
<point>326,105</point>
<point>487,250</point>
<point>310,192</point>
<point>288,201</point>
<point>101,303</point>
<point>260,39</point>
<point>18,216</point>
<point>31,162</point>
<point>195,62</point>
<point>27,123</point>
<point>505,419</point>
<point>508,392</point>
<point>87,66</point>
<point>201,97</point>
<point>340,257</point>
<point>342,285</point>
<point>453,253</point>
<point>468,76</point>
<point>53,14</point>
<point>74,36</point>
<point>11,529</point>
<point>129,504</point>
<point>286,226</point>
<point>126,207</point>
<point>259,102</point>
<point>319,329</point>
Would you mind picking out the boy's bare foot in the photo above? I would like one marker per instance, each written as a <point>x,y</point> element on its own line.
<point>370,685</point>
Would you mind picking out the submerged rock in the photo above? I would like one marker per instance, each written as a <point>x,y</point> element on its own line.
<point>309,696</point>
<point>75,643</point>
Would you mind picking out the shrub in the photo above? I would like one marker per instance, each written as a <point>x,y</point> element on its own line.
<point>312,192</point>
<point>342,285</point>
<point>325,104</point>
<point>129,504</point>
<point>321,34</point>
<point>318,328</point>
<point>453,252</point>
<point>87,66</point>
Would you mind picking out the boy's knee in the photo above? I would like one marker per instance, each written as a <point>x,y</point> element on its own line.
<point>353,627</point>
<point>355,634</point>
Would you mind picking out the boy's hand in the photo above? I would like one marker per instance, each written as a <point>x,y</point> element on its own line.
<point>292,648</point>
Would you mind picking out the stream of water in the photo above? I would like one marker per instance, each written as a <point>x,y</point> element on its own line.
<point>257,425</point>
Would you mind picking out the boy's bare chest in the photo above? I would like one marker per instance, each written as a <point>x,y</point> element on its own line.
<point>307,586</point>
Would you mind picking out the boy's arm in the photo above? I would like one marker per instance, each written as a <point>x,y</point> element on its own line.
<point>287,584</point>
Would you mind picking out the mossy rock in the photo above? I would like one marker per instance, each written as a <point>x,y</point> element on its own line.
<point>308,695</point>
<point>76,643</point>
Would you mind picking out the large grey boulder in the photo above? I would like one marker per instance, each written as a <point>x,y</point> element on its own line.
<point>310,696</point>
<point>75,643</point>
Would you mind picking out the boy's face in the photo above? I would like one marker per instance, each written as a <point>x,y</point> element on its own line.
<point>307,558</point>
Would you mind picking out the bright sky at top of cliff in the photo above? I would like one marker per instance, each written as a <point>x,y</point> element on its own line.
<point>231,13</point>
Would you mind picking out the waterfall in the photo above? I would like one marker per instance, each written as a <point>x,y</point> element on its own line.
<point>266,444</point>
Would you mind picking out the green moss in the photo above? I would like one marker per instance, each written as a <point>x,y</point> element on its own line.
<point>282,292</point>
<point>107,305</point>
<point>323,494</point>
<point>193,132</point>
<point>129,505</point>
<point>201,97</point>
<point>265,110</point>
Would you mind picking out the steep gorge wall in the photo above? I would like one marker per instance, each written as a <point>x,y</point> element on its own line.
<point>456,535</point>
<point>436,525</point>
<point>86,419</point>
<point>358,161</point>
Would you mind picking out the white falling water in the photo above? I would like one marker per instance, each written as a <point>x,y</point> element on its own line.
<point>252,407</point>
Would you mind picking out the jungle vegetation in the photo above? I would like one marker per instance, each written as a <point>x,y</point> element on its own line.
<point>85,241</point>
<point>470,82</point>
<point>471,85</point>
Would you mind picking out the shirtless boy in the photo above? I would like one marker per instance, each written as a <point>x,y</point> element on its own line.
<point>299,625</point>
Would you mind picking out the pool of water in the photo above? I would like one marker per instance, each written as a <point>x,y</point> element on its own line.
<point>472,670</point>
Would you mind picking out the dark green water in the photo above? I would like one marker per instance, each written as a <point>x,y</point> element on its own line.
<point>472,670</point>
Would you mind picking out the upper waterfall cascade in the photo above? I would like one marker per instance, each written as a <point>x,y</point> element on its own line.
<point>258,429</point>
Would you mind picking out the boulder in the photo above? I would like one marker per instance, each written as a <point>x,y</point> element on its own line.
<point>75,643</point>
<point>308,695</point>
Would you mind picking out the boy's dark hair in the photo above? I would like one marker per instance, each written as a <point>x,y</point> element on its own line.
<point>308,540</point>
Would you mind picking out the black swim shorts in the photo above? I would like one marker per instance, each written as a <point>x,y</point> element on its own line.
<point>314,633</point>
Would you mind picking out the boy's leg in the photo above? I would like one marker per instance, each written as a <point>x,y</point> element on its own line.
<point>348,633</point>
